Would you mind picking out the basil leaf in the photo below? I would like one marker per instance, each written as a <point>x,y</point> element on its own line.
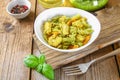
<point>41,59</point>
<point>31,61</point>
<point>39,68</point>
<point>48,71</point>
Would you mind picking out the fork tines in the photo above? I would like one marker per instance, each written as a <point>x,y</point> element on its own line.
<point>72,70</point>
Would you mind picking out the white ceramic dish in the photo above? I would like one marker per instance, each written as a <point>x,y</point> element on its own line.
<point>18,2</point>
<point>48,14</point>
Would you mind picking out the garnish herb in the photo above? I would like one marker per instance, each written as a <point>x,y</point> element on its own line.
<point>31,61</point>
<point>47,71</point>
<point>41,59</point>
<point>38,63</point>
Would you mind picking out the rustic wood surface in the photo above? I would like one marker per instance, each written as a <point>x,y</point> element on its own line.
<point>117,57</point>
<point>16,42</point>
<point>116,45</point>
<point>103,70</point>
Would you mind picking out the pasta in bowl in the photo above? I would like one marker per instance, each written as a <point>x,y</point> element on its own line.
<point>65,32</point>
<point>66,29</point>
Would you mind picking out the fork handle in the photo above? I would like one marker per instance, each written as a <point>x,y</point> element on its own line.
<point>115,52</point>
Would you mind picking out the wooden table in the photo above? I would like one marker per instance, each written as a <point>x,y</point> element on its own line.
<point>17,41</point>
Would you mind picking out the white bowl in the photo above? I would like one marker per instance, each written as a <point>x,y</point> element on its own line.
<point>18,2</point>
<point>48,14</point>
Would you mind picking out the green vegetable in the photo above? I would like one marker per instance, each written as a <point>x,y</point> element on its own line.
<point>31,61</point>
<point>89,5</point>
<point>38,63</point>
<point>41,59</point>
<point>48,71</point>
<point>39,68</point>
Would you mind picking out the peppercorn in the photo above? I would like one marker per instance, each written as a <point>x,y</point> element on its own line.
<point>18,9</point>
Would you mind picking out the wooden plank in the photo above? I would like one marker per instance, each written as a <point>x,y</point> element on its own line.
<point>112,3</point>
<point>106,37</point>
<point>16,43</point>
<point>107,69</point>
<point>102,70</point>
<point>35,75</point>
<point>118,60</point>
<point>117,45</point>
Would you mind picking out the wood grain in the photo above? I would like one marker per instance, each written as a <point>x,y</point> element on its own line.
<point>95,72</point>
<point>112,3</point>
<point>16,43</point>
<point>117,45</point>
<point>103,70</point>
<point>109,18</point>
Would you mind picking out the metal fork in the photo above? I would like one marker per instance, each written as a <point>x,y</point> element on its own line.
<point>82,68</point>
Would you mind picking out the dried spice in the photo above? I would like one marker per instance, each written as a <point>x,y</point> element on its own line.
<point>18,9</point>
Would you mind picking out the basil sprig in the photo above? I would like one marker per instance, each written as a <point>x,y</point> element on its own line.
<point>41,59</point>
<point>31,61</point>
<point>48,71</point>
<point>39,64</point>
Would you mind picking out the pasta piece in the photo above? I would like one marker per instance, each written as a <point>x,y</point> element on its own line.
<point>80,38</point>
<point>74,18</point>
<point>78,24</point>
<point>73,30</point>
<point>65,29</point>
<point>85,31</point>
<point>80,44</point>
<point>55,33</point>
<point>54,41</point>
<point>67,39</point>
<point>63,19</point>
<point>47,28</point>
<point>84,22</point>
<point>56,30</point>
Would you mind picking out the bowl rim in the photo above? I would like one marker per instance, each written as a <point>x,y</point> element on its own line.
<point>29,7</point>
<point>62,50</point>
